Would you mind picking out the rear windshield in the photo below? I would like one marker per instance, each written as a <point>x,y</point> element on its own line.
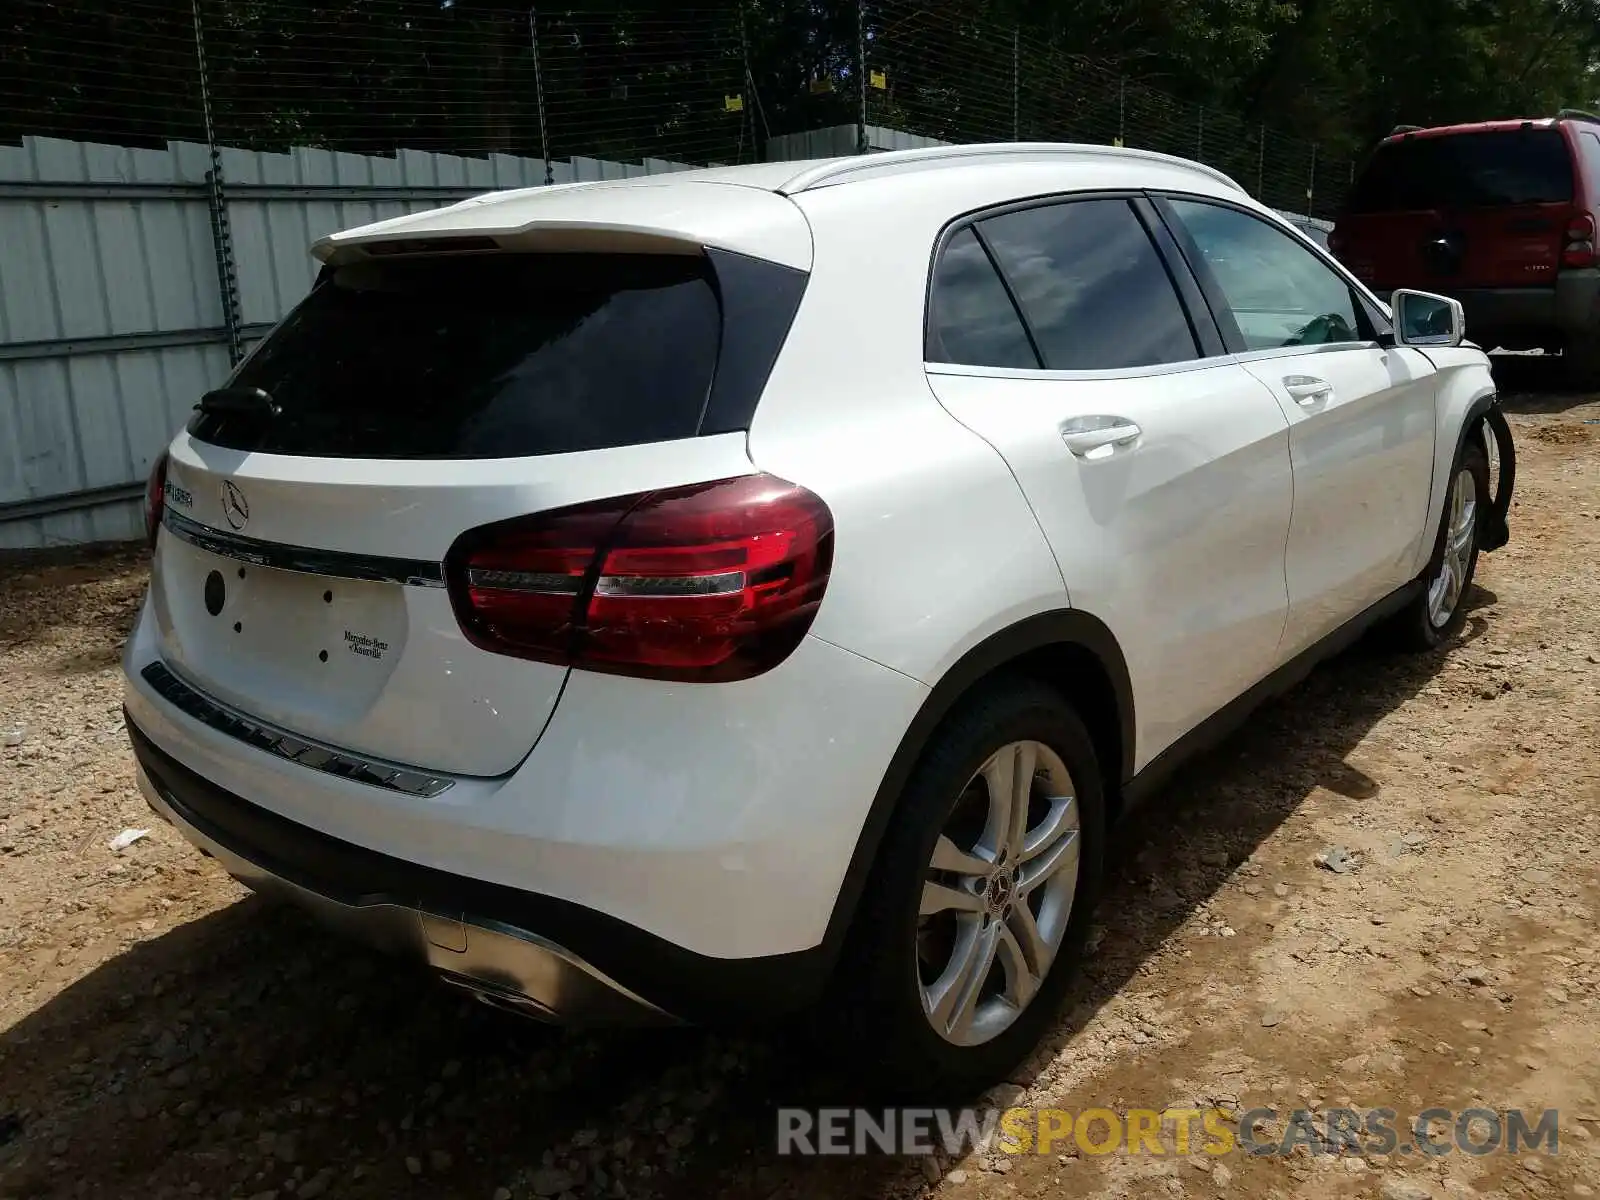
<point>484,356</point>
<point>1466,170</point>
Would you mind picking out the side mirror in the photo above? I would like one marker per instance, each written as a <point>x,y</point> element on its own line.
<point>1423,319</point>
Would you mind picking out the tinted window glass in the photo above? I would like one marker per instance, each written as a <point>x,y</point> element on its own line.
<point>973,320</point>
<point>486,356</point>
<point>1094,290</point>
<point>1466,170</point>
<point>1591,165</point>
<point>1280,293</point>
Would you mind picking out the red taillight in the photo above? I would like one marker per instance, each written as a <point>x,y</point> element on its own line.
<point>155,497</point>
<point>1578,251</point>
<point>716,581</point>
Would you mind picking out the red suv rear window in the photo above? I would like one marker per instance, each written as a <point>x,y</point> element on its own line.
<point>1466,170</point>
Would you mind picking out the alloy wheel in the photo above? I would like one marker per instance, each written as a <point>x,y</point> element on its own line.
<point>998,893</point>
<point>1461,533</point>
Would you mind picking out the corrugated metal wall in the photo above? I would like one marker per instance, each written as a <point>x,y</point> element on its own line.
<point>111,318</point>
<point>839,141</point>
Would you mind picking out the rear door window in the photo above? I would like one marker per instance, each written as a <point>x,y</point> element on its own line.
<point>1092,286</point>
<point>1466,170</point>
<point>485,356</point>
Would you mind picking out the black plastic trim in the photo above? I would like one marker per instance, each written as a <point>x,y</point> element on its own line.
<point>1202,321</point>
<point>1005,285</point>
<point>1216,303</point>
<point>1232,715</point>
<point>1063,627</point>
<point>1487,411</point>
<point>691,986</point>
<point>759,300</point>
<point>1079,629</point>
<point>334,564</point>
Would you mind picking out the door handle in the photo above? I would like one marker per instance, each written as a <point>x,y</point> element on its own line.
<point>1096,437</point>
<point>1307,390</point>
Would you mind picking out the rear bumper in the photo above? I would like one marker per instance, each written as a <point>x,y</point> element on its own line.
<point>690,845</point>
<point>1529,316</point>
<point>516,950</point>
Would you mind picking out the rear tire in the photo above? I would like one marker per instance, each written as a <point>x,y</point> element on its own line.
<point>940,989</point>
<point>1438,612</point>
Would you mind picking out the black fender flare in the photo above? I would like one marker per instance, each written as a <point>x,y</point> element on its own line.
<point>1486,411</point>
<point>1058,628</point>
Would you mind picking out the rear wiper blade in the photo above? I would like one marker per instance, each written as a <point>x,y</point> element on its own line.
<point>238,402</point>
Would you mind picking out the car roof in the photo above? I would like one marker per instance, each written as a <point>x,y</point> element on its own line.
<point>741,208</point>
<point>1500,126</point>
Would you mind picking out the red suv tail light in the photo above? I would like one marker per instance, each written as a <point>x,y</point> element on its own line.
<point>712,582</point>
<point>1579,248</point>
<point>155,497</point>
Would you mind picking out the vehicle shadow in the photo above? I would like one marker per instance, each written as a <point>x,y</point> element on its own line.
<point>237,1049</point>
<point>1535,383</point>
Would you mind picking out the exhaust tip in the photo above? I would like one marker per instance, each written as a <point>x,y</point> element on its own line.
<point>498,996</point>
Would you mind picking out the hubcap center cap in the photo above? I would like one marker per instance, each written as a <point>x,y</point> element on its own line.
<point>1000,890</point>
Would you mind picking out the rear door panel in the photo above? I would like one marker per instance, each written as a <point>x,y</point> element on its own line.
<point>1160,478</point>
<point>1176,541</point>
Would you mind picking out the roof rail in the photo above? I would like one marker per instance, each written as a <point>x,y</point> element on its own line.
<point>1577,114</point>
<point>842,170</point>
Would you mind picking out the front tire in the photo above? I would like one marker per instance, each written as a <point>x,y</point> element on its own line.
<point>1438,613</point>
<point>975,918</point>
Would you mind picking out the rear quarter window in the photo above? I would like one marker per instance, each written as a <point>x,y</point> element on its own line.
<point>973,320</point>
<point>485,356</point>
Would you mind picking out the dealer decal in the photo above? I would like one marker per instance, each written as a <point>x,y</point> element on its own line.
<point>363,645</point>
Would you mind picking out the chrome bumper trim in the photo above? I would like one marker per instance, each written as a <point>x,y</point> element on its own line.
<point>286,745</point>
<point>503,966</point>
<point>335,564</point>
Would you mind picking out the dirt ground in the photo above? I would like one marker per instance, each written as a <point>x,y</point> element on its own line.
<point>164,1034</point>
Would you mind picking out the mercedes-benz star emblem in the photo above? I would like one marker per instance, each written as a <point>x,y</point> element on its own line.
<point>234,505</point>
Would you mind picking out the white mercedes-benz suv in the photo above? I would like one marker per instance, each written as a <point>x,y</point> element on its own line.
<point>677,598</point>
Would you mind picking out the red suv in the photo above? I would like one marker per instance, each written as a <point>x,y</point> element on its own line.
<point>1500,215</point>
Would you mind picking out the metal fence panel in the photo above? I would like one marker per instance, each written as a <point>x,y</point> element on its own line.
<point>111,321</point>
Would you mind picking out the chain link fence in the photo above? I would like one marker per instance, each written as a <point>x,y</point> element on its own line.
<point>706,83</point>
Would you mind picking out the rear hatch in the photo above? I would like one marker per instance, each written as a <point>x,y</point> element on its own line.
<point>1471,209</point>
<point>299,572</point>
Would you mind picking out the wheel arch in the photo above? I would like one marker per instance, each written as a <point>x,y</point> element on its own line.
<point>1483,419</point>
<point>1468,406</point>
<point>1072,651</point>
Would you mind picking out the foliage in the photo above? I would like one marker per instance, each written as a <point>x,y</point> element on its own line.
<point>711,79</point>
